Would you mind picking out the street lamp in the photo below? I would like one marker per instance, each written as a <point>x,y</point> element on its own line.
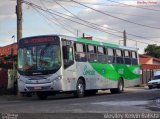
<point>13,37</point>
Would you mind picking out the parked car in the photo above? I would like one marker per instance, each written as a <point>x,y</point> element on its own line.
<point>155,82</point>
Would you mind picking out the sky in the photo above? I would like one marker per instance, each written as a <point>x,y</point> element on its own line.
<point>139,18</point>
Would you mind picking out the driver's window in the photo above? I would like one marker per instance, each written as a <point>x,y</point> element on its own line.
<point>68,58</point>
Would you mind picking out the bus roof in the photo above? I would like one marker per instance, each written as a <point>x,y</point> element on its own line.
<point>94,42</point>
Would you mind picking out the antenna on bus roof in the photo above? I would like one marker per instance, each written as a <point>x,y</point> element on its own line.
<point>83,35</point>
<point>87,38</point>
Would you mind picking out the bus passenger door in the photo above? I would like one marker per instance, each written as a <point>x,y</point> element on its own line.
<point>69,72</point>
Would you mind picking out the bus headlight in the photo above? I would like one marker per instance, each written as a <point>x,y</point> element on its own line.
<point>58,77</point>
<point>54,79</point>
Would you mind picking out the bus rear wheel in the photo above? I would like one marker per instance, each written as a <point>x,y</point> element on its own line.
<point>80,89</point>
<point>42,95</point>
<point>120,87</point>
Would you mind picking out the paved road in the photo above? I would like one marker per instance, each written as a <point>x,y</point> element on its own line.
<point>137,100</point>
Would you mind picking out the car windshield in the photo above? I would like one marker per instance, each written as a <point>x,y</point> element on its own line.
<point>39,58</point>
<point>156,77</point>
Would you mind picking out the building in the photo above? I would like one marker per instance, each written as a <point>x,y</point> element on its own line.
<point>148,66</point>
<point>148,62</point>
<point>9,49</point>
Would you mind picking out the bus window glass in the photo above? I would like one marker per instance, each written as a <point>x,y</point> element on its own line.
<point>134,58</point>
<point>80,54</point>
<point>126,53</point>
<point>68,54</point>
<point>100,50</point>
<point>79,47</point>
<point>92,56</point>
<point>90,48</point>
<point>118,53</point>
<point>110,52</point>
<point>42,58</point>
<point>102,58</point>
<point>127,59</point>
<point>119,56</point>
<point>111,58</point>
<point>134,55</point>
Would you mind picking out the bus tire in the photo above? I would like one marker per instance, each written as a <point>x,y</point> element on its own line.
<point>120,87</point>
<point>42,95</point>
<point>80,89</point>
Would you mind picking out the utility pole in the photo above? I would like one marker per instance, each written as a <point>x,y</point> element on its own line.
<point>19,19</point>
<point>124,38</point>
<point>77,33</point>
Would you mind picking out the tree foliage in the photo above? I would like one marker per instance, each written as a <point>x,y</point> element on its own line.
<point>153,50</point>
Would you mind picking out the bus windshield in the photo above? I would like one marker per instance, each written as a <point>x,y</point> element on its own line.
<point>39,59</point>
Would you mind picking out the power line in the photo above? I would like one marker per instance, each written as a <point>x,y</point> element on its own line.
<point>116,16</point>
<point>119,4</point>
<point>98,25</point>
<point>133,6</point>
<point>38,7</point>
<point>67,25</point>
<point>31,4</point>
<point>58,24</point>
<point>64,23</point>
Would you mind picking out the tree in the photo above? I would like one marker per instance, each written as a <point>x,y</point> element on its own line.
<point>153,50</point>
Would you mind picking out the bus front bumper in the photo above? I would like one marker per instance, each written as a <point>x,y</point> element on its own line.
<point>38,87</point>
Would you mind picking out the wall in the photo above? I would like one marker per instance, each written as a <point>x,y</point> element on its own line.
<point>6,50</point>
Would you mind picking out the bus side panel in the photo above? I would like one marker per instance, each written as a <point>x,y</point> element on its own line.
<point>93,79</point>
<point>69,78</point>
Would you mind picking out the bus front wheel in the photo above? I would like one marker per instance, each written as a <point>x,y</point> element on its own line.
<point>42,95</point>
<point>120,87</point>
<point>80,89</point>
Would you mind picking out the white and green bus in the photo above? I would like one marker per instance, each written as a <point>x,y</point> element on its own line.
<point>53,64</point>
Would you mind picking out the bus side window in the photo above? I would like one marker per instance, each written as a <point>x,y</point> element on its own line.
<point>80,52</point>
<point>102,58</point>
<point>67,55</point>
<point>134,58</point>
<point>110,55</point>
<point>92,56</point>
<point>127,57</point>
<point>119,56</point>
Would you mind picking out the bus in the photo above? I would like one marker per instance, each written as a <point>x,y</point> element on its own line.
<point>52,64</point>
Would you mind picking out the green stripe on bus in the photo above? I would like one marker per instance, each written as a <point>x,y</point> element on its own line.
<point>115,71</point>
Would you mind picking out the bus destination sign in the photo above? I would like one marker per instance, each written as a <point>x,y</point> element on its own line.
<point>39,40</point>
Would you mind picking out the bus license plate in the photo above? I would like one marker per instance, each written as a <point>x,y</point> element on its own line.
<point>37,88</point>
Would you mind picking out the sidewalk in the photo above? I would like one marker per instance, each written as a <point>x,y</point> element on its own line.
<point>10,97</point>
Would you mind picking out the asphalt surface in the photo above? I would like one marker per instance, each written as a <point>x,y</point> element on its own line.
<point>138,100</point>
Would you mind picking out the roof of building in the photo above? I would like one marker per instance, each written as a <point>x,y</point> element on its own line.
<point>149,57</point>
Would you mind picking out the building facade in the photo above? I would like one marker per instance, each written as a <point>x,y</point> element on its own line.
<point>9,49</point>
<point>148,66</point>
